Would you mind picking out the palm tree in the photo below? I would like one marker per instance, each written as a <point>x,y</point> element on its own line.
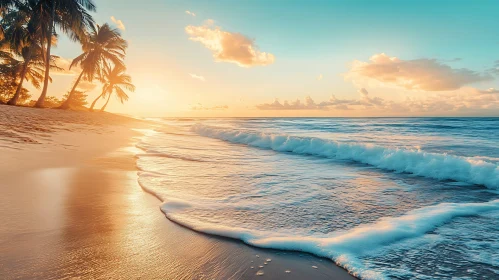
<point>5,8</point>
<point>22,38</point>
<point>5,5</point>
<point>25,70</point>
<point>32,71</point>
<point>71,17</point>
<point>103,44</point>
<point>115,80</point>
<point>98,97</point>
<point>8,69</point>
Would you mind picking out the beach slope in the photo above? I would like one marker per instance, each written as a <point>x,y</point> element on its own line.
<point>71,207</point>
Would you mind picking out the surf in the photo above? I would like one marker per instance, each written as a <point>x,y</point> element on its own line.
<point>412,161</point>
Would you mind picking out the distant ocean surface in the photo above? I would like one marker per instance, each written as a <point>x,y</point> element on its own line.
<point>385,198</point>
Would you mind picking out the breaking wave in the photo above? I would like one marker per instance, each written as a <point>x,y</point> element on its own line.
<point>417,162</point>
<point>343,247</point>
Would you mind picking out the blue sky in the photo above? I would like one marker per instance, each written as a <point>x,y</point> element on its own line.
<point>307,39</point>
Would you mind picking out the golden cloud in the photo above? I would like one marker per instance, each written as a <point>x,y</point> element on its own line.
<point>464,100</point>
<point>418,74</point>
<point>118,23</point>
<point>64,63</point>
<point>198,77</point>
<point>229,47</point>
<point>333,103</point>
<point>86,86</point>
<point>200,107</point>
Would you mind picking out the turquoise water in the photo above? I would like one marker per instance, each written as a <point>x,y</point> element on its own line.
<point>386,198</point>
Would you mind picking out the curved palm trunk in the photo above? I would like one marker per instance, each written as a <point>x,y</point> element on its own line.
<point>104,107</point>
<point>13,100</point>
<point>41,99</point>
<point>91,109</point>
<point>66,103</point>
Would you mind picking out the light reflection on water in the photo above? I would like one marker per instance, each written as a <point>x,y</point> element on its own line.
<point>233,185</point>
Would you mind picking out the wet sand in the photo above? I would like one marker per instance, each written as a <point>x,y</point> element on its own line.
<point>71,207</point>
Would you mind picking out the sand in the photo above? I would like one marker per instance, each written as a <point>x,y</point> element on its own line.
<point>71,207</point>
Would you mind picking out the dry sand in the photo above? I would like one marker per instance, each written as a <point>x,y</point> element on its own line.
<point>71,207</point>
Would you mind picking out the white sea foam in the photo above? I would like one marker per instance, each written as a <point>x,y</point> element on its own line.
<point>343,247</point>
<point>352,248</point>
<point>430,165</point>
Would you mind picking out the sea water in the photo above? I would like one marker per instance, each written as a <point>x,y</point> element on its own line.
<point>385,198</point>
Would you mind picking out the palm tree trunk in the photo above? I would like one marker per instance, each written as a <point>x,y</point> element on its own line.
<point>104,107</point>
<point>66,103</point>
<point>91,109</point>
<point>41,99</point>
<point>13,100</point>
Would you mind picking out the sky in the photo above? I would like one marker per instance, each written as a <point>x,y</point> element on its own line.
<point>302,58</point>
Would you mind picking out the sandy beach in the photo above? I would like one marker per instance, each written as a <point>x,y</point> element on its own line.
<point>72,207</point>
<point>249,139</point>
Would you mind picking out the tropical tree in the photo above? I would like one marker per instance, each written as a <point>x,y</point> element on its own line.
<point>103,45</point>
<point>5,5</point>
<point>17,70</point>
<point>25,69</point>
<point>71,16</point>
<point>79,99</point>
<point>115,80</point>
<point>22,37</point>
<point>100,96</point>
<point>50,102</point>
<point>8,75</point>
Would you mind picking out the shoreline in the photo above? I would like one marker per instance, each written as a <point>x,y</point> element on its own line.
<point>268,251</point>
<point>73,208</point>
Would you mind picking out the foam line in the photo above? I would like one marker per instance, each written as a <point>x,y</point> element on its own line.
<point>417,162</point>
<point>345,247</point>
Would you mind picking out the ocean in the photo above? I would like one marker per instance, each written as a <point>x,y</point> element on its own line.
<point>385,198</point>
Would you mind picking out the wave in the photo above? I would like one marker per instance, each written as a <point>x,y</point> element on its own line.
<point>148,152</point>
<point>344,247</point>
<point>165,155</point>
<point>417,162</point>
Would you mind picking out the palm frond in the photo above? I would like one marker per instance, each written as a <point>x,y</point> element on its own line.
<point>121,94</point>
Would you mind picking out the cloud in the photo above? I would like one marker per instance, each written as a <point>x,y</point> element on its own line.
<point>464,100</point>
<point>194,76</point>
<point>209,22</point>
<point>320,77</point>
<point>467,99</point>
<point>495,68</point>
<point>64,63</point>
<point>418,74</point>
<point>333,103</point>
<point>308,104</point>
<point>190,13</point>
<point>229,47</point>
<point>200,107</point>
<point>86,86</point>
<point>118,23</point>
<point>490,90</point>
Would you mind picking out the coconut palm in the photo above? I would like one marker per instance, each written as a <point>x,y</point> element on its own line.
<point>102,45</point>
<point>71,16</point>
<point>115,80</point>
<point>23,70</point>
<point>98,97</point>
<point>5,5</point>
<point>22,38</point>
<point>8,68</point>
<point>32,71</point>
